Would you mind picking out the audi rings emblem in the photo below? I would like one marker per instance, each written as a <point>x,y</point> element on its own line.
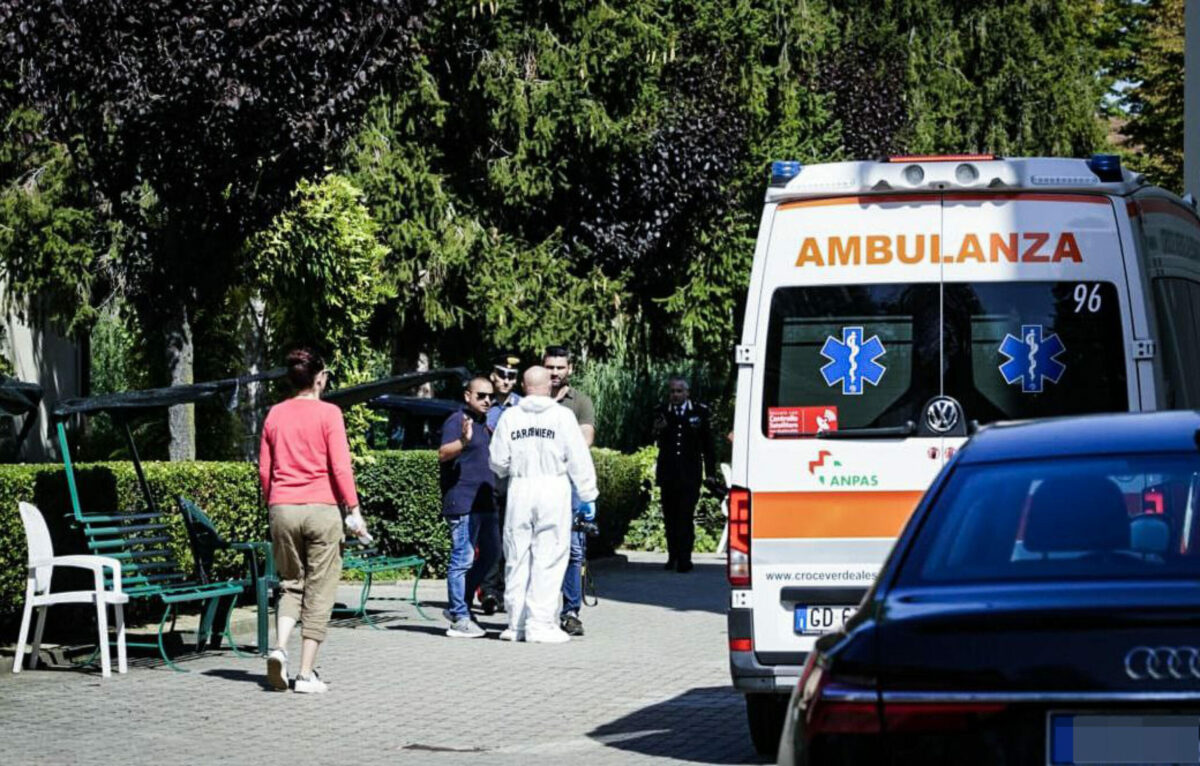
<point>1158,663</point>
<point>941,414</point>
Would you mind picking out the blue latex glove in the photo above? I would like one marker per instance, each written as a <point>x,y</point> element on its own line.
<point>588,511</point>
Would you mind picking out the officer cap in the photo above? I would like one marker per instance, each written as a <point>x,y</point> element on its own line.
<point>507,362</point>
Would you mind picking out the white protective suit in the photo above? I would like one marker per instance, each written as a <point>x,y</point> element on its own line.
<point>540,446</point>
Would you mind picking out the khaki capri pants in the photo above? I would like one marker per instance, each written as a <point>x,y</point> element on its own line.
<point>307,540</point>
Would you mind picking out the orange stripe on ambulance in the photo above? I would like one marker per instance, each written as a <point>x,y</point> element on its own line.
<point>882,249</point>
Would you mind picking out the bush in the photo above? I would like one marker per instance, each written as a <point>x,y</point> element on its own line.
<point>402,501</point>
<point>229,491</point>
<point>647,533</point>
<point>623,498</point>
<point>399,494</point>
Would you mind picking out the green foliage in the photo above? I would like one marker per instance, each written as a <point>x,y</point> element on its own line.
<point>402,501</point>
<point>321,269</point>
<point>625,393</point>
<point>399,491</point>
<point>623,498</point>
<point>1010,78</point>
<point>529,173</point>
<point>647,532</point>
<point>1153,63</point>
<point>320,265</point>
<point>51,239</point>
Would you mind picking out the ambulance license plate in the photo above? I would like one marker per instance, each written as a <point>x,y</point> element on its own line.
<point>815,620</point>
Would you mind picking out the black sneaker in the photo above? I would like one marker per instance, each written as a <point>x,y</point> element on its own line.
<point>489,604</point>
<point>572,626</point>
<point>685,566</point>
<point>669,565</point>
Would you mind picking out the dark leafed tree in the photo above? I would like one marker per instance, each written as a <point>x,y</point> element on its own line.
<point>192,121</point>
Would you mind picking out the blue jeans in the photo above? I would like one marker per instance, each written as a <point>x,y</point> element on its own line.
<point>572,589</point>
<point>466,569</point>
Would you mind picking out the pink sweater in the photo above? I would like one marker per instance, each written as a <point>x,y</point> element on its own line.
<point>305,458</point>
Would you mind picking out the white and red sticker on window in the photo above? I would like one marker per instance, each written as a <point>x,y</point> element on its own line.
<point>800,421</point>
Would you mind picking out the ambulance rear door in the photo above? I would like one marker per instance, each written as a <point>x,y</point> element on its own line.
<point>1037,307</point>
<point>847,340</point>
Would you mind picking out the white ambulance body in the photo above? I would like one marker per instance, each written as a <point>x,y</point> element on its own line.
<point>892,308</point>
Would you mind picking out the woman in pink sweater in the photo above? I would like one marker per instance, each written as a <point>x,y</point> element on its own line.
<point>304,466</point>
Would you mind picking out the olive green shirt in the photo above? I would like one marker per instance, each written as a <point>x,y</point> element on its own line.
<point>580,405</point>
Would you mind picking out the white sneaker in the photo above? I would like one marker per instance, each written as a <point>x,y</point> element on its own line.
<point>311,685</point>
<point>510,634</point>
<point>465,628</point>
<point>554,635</point>
<point>277,670</point>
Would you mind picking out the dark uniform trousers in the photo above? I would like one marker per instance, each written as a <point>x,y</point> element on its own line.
<point>685,453</point>
<point>679,517</point>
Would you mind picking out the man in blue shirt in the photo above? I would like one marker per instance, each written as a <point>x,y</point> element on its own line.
<point>504,381</point>
<point>468,503</point>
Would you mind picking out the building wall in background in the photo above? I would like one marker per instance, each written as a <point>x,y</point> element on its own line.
<point>40,355</point>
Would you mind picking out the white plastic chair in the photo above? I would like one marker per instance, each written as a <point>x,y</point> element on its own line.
<point>37,592</point>
<point>727,475</point>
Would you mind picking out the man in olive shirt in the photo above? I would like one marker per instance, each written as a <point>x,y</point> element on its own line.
<point>557,360</point>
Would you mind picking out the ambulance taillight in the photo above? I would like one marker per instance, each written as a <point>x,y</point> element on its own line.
<point>739,537</point>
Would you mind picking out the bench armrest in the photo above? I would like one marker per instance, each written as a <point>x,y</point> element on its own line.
<point>94,563</point>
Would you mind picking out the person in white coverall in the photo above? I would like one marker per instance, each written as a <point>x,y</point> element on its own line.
<point>538,445</point>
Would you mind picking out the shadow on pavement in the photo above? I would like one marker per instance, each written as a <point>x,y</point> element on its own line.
<point>703,589</point>
<point>259,678</point>
<point>431,629</point>
<point>682,727</point>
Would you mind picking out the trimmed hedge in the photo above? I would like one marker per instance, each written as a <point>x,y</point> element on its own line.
<point>399,493</point>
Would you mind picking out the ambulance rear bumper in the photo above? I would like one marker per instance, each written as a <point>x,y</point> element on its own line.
<point>760,673</point>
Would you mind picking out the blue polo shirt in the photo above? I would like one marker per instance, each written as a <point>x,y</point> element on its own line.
<point>493,416</point>
<point>467,481</point>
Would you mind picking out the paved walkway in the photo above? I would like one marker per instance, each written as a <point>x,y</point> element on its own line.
<point>647,684</point>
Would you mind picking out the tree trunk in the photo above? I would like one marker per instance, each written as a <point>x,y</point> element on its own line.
<point>254,344</point>
<point>181,419</point>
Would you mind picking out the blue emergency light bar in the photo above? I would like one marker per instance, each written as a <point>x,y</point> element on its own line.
<point>1107,167</point>
<point>783,171</point>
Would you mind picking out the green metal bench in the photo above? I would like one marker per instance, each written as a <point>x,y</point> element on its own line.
<point>150,571</point>
<point>361,557</point>
<point>259,559</point>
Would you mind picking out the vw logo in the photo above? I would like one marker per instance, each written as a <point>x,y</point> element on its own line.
<point>942,415</point>
<point>1157,663</point>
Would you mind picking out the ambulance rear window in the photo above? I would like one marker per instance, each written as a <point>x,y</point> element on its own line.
<point>873,355</point>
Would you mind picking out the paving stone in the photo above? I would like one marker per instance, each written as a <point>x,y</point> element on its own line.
<point>648,683</point>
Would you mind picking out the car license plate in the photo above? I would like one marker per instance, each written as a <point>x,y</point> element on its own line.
<point>1135,739</point>
<point>815,620</point>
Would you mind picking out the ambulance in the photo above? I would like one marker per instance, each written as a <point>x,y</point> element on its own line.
<point>893,308</point>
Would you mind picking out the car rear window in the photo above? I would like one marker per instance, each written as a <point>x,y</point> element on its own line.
<point>1087,518</point>
<point>875,354</point>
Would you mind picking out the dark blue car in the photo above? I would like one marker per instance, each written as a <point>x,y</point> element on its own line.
<point>1041,606</point>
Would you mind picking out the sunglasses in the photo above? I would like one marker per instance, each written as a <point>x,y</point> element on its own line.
<point>506,373</point>
<point>481,396</point>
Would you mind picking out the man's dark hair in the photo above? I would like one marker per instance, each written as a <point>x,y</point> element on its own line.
<point>303,364</point>
<point>555,351</point>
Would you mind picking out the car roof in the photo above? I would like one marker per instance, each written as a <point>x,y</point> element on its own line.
<point>1126,433</point>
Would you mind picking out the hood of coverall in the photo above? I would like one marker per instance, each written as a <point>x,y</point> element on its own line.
<point>536,403</point>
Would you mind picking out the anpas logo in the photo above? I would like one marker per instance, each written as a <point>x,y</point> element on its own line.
<point>831,473</point>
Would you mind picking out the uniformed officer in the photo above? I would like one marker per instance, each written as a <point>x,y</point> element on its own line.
<point>683,429</point>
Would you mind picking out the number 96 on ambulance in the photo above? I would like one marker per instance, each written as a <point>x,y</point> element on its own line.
<point>893,308</point>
